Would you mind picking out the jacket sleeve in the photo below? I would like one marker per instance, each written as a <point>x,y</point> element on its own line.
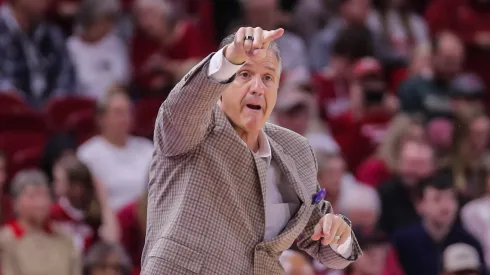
<point>185,117</point>
<point>324,253</point>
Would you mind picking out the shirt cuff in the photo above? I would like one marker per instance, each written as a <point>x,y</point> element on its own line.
<point>220,69</point>
<point>344,249</point>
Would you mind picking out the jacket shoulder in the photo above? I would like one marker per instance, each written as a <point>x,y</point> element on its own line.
<point>285,137</point>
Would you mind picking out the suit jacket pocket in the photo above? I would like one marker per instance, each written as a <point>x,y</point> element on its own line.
<point>177,254</point>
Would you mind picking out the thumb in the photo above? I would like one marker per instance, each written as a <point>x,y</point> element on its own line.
<point>272,35</point>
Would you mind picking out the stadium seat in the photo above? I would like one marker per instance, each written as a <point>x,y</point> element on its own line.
<point>22,120</point>
<point>59,110</point>
<point>11,102</point>
<point>83,125</point>
<point>26,158</point>
<point>146,111</point>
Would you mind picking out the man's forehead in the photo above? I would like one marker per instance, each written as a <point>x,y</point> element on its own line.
<point>270,62</point>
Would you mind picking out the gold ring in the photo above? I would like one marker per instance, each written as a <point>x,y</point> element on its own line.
<point>337,238</point>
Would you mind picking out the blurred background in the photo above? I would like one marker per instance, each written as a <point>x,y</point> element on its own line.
<point>392,95</point>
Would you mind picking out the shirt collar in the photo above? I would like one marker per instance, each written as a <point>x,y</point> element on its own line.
<point>264,147</point>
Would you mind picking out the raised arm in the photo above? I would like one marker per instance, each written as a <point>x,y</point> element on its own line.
<point>185,117</point>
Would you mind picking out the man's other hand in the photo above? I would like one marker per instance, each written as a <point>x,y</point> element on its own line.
<point>333,229</point>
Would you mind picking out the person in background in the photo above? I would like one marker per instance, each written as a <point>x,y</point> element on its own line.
<point>401,28</point>
<point>164,47</point>
<point>295,110</point>
<point>398,200</point>
<point>132,220</point>
<point>82,212</point>
<point>429,95</point>
<point>120,161</point>
<point>419,246</point>
<point>295,263</point>
<point>383,164</point>
<point>98,53</point>
<point>30,245</point>
<point>107,259</point>
<point>332,83</point>
<point>467,93</point>
<point>461,258</point>
<point>56,147</point>
<point>34,60</point>
<point>350,14</point>
<point>5,202</point>
<point>360,129</point>
<point>476,219</point>
<point>362,204</point>
<point>469,156</point>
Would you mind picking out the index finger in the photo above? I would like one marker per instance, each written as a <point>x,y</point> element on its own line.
<point>272,35</point>
<point>327,225</point>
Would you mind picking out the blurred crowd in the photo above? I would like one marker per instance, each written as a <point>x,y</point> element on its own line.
<point>391,94</point>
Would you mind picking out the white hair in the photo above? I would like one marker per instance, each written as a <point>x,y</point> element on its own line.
<point>360,196</point>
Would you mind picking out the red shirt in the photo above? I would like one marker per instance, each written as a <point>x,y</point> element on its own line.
<point>332,97</point>
<point>6,213</point>
<point>359,138</point>
<point>373,172</point>
<point>72,221</point>
<point>133,238</point>
<point>143,49</point>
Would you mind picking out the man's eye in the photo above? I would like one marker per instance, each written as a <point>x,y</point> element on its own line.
<point>268,78</point>
<point>244,74</point>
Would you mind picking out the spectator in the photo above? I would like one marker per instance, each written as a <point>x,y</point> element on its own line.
<point>21,240</point>
<point>5,202</point>
<point>401,28</point>
<point>379,168</point>
<point>120,161</point>
<point>295,263</point>
<point>295,110</point>
<point>476,220</point>
<point>429,96</point>
<point>99,54</point>
<point>267,15</point>
<point>164,47</point>
<point>360,129</point>
<point>333,82</point>
<point>362,205</point>
<point>467,92</point>
<point>132,219</point>
<point>398,208</point>
<point>57,146</point>
<point>82,212</point>
<point>420,246</point>
<point>107,259</point>
<point>469,156</point>
<point>34,60</point>
<point>470,21</point>
<point>460,258</point>
<point>351,14</point>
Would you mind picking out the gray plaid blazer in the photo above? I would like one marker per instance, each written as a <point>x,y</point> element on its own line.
<point>207,188</point>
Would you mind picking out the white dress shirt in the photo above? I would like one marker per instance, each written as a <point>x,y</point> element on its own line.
<point>278,213</point>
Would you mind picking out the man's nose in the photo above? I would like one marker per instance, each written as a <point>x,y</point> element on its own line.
<point>258,86</point>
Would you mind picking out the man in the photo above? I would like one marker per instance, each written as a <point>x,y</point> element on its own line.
<point>34,61</point>
<point>461,259</point>
<point>416,162</point>
<point>215,206</point>
<point>430,95</point>
<point>420,247</point>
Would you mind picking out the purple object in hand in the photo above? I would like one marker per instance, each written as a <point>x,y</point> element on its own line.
<point>318,197</point>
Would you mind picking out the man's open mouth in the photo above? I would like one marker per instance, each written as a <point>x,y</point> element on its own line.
<point>254,107</point>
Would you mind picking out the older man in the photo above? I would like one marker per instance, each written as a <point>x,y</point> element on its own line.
<point>228,192</point>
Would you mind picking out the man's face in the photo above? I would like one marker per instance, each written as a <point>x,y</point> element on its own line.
<point>118,119</point>
<point>439,206</point>
<point>251,97</point>
<point>448,60</point>
<point>36,9</point>
<point>331,177</point>
<point>151,20</point>
<point>34,203</point>
<point>416,162</point>
<point>356,11</point>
